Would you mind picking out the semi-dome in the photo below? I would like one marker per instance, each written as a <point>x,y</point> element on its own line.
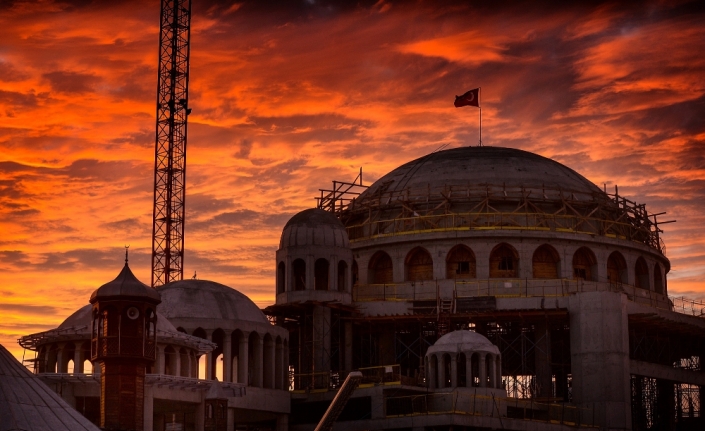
<point>203,299</point>
<point>314,227</point>
<point>507,167</point>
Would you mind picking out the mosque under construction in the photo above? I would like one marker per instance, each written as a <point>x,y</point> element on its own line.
<point>473,288</point>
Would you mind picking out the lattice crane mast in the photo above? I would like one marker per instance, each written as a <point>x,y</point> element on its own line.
<point>170,152</point>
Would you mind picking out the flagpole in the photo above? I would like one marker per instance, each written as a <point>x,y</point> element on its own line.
<point>479,98</point>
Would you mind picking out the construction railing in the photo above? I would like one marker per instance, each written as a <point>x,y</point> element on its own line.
<point>332,380</point>
<point>469,403</point>
<point>519,288</point>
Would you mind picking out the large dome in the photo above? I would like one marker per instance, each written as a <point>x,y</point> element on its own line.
<point>203,299</point>
<point>507,167</point>
<point>315,227</point>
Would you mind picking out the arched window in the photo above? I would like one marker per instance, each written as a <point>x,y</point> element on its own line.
<point>342,276</point>
<point>299,267</point>
<point>462,372</point>
<point>419,265</point>
<point>320,274</point>
<point>381,268</point>
<point>616,268</point>
<point>584,265</point>
<point>658,279</point>
<point>355,273</point>
<point>504,262</point>
<point>545,262</point>
<point>446,371</point>
<point>281,276</point>
<point>460,263</point>
<point>641,273</point>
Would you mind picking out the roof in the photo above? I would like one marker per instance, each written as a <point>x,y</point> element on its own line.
<point>26,403</point>
<point>127,285</point>
<point>314,227</point>
<point>483,165</point>
<point>203,299</point>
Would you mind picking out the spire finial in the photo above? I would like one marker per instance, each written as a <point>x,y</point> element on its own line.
<point>126,248</point>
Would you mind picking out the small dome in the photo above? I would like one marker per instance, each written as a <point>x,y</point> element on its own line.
<point>81,318</point>
<point>126,285</point>
<point>314,227</point>
<point>203,299</point>
<point>463,337</point>
<point>463,341</point>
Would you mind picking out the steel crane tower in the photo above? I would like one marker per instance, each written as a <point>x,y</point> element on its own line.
<point>170,152</point>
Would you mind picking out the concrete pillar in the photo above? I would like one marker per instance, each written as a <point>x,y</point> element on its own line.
<point>257,365</point>
<point>454,371</point>
<point>493,371</point>
<point>227,357</point>
<point>278,366</point>
<point>333,273</point>
<point>268,360</point>
<point>210,372</point>
<point>242,358</point>
<point>387,353</point>
<point>468,370</point>
<point>482,365</point>
<point>161,360</point>
<point>78,361</point>
<point>542,359</point>
<point>309,272</point>
<point>148,408</point>
<point>440,372</point>
<point>177,362</point>
<point>321,339</point>
<point>200,418</point>
<point>60,355</point>
<point>348,366</point>
<point>599,349</point>
<point>230,420</point>
<point>498,371</point>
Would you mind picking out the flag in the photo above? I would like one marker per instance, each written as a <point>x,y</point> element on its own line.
<point>471,98</point>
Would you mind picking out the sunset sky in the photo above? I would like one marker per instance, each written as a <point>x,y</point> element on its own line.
<point>288,98</point>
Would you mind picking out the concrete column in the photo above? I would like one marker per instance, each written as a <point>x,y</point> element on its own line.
<point>468,370</point>
<point>309,272</point>
<point>333,273</point>
<point>200,418</point>
<point>177,362</point>
<point>242,358</point>
<point>599,350</point>
<point>348,366</point>
<point>268,369</point>
<point>189,364</point>
<point>321,339</point>
<point>398,269</point>
<point>61,361</point>
<point>483,369</point>
<point>493,372</point>
<point>257,366</point>
<point>210,372</point>
<point>227,357</point>
<point>440,371</point>
<point>230,420</point>
<point>278,366</point>
<point>78,361</point>
<point>159,364</point>
<point>148,408</point>
<point>542,358</point>
<point>498,371</point>
<point>454,371</point>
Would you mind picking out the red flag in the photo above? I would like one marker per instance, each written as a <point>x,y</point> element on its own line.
<point>471,98</point>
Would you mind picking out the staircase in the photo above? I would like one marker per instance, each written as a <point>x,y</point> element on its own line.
<point>338,404</point>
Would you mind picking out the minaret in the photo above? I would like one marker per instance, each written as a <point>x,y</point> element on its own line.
<point>123,341</point>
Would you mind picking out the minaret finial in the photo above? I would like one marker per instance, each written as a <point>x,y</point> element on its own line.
<point>126,248</point>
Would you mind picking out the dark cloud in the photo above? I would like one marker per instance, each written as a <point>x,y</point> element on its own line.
<point>71,82</point>
<point>29,309</point>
